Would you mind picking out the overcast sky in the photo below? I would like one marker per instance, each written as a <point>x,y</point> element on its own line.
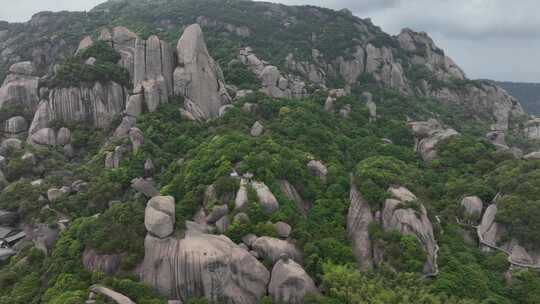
<point>497,39</point>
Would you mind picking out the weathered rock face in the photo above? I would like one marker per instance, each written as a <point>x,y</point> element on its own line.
<point>486,100</point>
<point>106,263</point>
<point>472,207</point>
<point>20,87</point>
<point>15,126</point>
<point>410,222</point>
<point>95,104</point>
<point>428,134</point>
<point>203,266</point>
<point>532,129</point>
<point>273,249</point>
<point>198,77</point>
<point>429,55</point>
<point>159,216</point>
<point>291,193</point>
<point>317,168</point>
<point>494,237</point>
<point>274,83</point>
<point>290,283</point>
<point>358,220</point>
<point>268,201</point>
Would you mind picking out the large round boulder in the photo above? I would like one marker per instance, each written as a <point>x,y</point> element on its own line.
<point>290,283</point>
<point>160,215</point>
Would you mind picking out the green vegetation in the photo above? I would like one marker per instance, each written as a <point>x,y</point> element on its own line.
<point>107,216</point>
<point>76,71</point>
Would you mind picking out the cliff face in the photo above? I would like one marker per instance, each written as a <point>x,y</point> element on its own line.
<point>352,52</point>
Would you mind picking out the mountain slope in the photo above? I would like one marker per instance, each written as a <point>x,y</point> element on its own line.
<point>247,152</point>
<point>527,93</point>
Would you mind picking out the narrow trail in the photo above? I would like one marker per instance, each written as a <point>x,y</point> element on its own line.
<point>495,247</point>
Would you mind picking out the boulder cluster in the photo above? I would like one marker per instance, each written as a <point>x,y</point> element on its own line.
<point>395,216</point>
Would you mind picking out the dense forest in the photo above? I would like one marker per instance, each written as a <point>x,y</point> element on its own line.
<point>279,154</point>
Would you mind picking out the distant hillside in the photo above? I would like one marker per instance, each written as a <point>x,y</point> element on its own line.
<point>527,93</point>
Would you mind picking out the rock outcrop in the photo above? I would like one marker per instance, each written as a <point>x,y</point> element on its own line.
<point>95,104</point>
<point>290,283</point>
<point>20,87</point>
<point>203,265</point>
<point>106,263</point>
<point>266,198</point>
<point>428,134</point>
<point>358,220</point>
<point>159,216</point>
<point>274,83</point>
<point>111,295</point>
<point>411,222</point>
<point>273,249</point>
<point>198,77</point>
<point>472,208</point>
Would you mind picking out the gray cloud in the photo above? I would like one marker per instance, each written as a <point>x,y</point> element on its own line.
<point>496,39</point>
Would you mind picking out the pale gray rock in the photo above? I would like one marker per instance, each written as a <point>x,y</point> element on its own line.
<point>6,253</point>
<point>203,265</point>
<point>63,137</point>
<point>149,168</point>
<point>137,139</point>
<point>217,213</point>
<point>290,283</point>
<point>266,198</point>
<point>90,61</point>
<point>243,93</point>
<point>224,109</point>
<point>10,144</point>
<point>411,222</point>
<point>472,208</point>
<point>20,89</point>
<point>346,111</point>
<point>44,237</point>
<point>198,77</point>
<point>257,129</point>
<point>54,194</point>
<point>532,129</point>
<point>223,224</point>
<point>153,58</point>
<point>159,216</point>
<point>329,104</point>
<point>249,240</point>
<point>106,263</point>
<point>428,135</point>
<point>23,68</point>
<point>134,105</point>
<point>85,43</point>
<point>155,93</point>
<point>272,249</point>
<point>15,125</point>
<point>291,193</point>
<point>145,187</point>
<point>41,118</point>
<point>242,195</point>
<point>488,228</point>
<point>3,183</point>
<point>44,137</point>
<point>283,229</point>
<point>96,104</point>
<point>122,131</point>
<point>359,218</point>
<point>317,168</point>
<point>532,156</point>
<point>29,158</point>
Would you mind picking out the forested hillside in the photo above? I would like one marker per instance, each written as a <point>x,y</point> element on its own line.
<point>239,152</point>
